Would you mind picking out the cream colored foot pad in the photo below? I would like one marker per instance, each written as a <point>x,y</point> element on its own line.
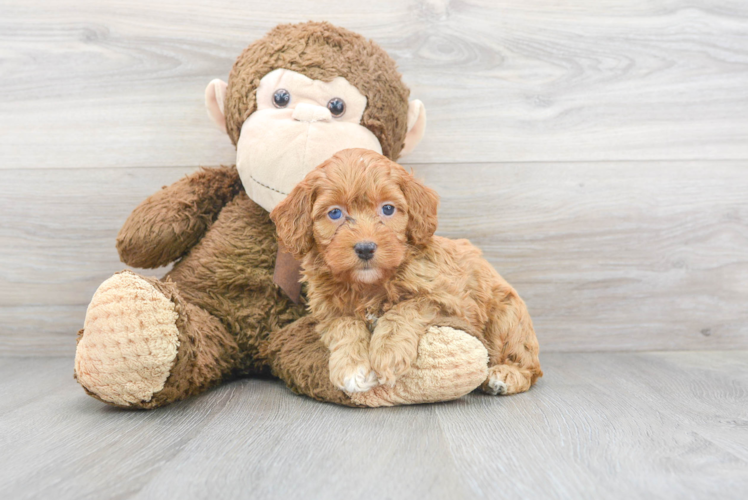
<point>450,364</point>
<point>130,341</point>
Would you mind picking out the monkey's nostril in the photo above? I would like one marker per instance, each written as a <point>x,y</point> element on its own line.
<point>365,249</point>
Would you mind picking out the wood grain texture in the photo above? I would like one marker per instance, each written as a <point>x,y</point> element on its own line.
<point>598,425</point>
<point>612,426</point>
<point>120,84</point>
<point>608,256</point>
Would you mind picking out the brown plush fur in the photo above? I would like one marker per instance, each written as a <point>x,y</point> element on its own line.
<point>222,287</point>
<point>301,360</point>
<point>413,278</point>
<point>233,320</point>
<point>229,273</point>
<point>173,220</point>
<point>207,352</point>
<point>231,314</point>
<point>322,51</point>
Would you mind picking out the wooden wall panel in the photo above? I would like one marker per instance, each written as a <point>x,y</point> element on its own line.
<point>120,84</point>
<point>608,256</point>
<point>596,150</point>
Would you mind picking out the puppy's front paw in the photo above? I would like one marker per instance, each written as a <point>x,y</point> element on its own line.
<point>352,377</point>
<point>391,360</point>
<point>505,379</point>
<point>361,380</point>
<point>495,385</point>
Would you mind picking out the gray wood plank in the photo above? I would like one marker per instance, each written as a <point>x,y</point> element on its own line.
<point>612,425</point>
<point>627,256</point>
<point>59,229</point>
<point>297,448</point>
<point>67,445</point>
<point>609,426</point>
<point>41,330</point>
<point>609,256</point>
<point>120,84</point>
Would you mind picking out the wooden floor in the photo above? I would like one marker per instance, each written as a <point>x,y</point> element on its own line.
<point>599,425</point>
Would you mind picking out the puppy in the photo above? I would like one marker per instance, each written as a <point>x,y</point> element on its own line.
<point>377,276</point>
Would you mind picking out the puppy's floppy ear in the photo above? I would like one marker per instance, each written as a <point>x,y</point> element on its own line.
<point>423,203</point>
<point>293,219</point>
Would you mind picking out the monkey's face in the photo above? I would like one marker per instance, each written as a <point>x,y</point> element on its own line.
<point>298,124</point>
<point>284,123</point>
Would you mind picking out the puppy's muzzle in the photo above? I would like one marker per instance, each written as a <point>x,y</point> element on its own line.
<point>365,249</point>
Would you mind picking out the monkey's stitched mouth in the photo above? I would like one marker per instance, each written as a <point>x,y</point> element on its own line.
<point>266,186</point>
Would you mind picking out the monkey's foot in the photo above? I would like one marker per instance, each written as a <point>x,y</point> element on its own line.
<point>129,341</point>
<point>450,364</point>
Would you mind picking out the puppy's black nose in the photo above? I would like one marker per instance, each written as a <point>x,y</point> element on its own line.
<point>365,249</point>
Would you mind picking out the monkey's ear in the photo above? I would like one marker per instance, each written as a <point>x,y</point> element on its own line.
<point>293,219</point>
<point>416,126</point>
<point>215,93</point>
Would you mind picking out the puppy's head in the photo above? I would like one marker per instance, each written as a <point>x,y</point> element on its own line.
<point>359,211</point>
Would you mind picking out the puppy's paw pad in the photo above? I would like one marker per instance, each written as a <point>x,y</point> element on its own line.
<point>495,386</point>
<point>361,379</point>
<point>505,380</point>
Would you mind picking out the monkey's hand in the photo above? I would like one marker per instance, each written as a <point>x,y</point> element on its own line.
<point>170,222</point>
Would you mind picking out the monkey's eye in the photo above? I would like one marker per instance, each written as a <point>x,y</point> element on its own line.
<point>388,210</point>
<point>336,106</point>
<point>281,98</point>
<point>335,214</point>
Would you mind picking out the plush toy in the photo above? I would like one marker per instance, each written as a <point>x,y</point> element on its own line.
<point>231,305</point>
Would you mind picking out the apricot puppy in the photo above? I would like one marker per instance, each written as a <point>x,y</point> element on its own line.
<point>378,277</point>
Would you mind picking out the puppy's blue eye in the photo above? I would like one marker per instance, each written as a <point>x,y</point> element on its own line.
<point>335,214</point>
<point>388,210</point>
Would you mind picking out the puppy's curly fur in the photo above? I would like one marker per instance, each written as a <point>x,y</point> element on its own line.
<point>378,277</point>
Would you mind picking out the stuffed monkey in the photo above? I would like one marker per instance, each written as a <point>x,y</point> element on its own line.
<point>231,305</point>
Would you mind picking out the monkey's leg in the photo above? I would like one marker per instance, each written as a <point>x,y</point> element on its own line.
<point>512,348</point>
<point>450,364</point>
<point>143,346</point>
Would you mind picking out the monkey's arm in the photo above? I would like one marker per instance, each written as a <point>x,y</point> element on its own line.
<point>170,222</point>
